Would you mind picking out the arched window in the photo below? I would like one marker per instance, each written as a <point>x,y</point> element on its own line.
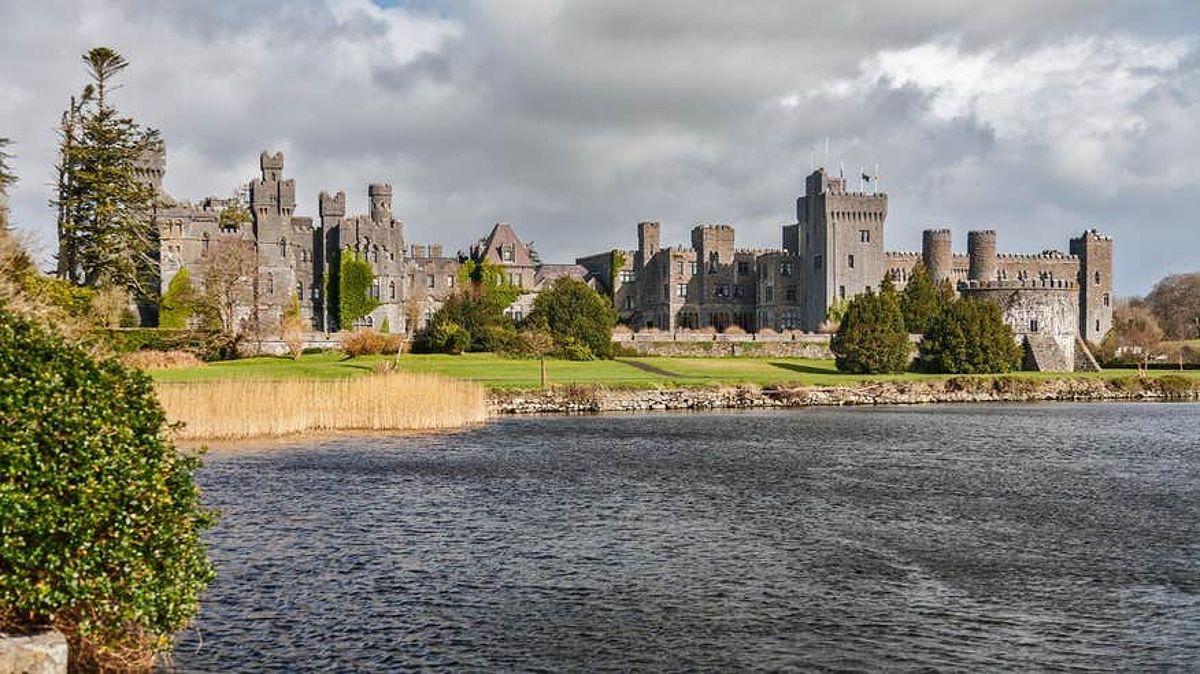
<point>375,254</point>
<point>283,248</point>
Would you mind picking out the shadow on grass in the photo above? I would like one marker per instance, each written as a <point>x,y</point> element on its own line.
<point>806,369</point>
<point>652,369</point>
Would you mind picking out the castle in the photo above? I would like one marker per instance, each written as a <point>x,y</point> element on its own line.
<point>834,250</point>
<point>296,257</point>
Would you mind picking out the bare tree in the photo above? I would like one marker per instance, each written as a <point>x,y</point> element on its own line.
<point>1136,329</point>
<point>230,279</point>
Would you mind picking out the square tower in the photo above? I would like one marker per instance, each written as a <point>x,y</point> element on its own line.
<point>1095,253</point>
<point>842,244</point>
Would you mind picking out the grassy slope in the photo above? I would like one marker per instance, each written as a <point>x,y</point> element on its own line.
<point>497,372</point>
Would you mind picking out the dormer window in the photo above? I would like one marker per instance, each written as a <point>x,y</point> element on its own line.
<point>506,253</point>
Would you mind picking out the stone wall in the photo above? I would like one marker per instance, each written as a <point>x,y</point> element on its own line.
<point>698,344</point>
<point>586,400</point>
<point>42,652</point>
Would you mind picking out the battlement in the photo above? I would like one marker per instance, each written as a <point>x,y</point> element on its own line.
<point>1029,284</point>
<point>1044,255</point>
<point>938,234</point>
<point>272,162</point>
<point>379,190</point>
<point>331,206</point>
<point>901,255</point>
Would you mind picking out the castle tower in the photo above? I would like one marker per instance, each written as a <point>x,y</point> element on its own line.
<point>981,249</point>
<point>841,236</point>
<point>151,166</point>
<point>937,253</point>
<point>1095,253</point>
<point>381,202</point>
<point>648,243</point>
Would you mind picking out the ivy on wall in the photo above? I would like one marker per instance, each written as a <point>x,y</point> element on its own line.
<point>617,262</point>
<point>354,282</point>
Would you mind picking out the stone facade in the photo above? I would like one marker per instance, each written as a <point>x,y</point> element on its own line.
<point>297,258</point>
<point>834,251</point>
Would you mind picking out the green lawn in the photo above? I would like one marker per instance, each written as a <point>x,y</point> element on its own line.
<point>496,372</point>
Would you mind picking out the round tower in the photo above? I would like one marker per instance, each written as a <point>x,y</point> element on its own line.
<point>981,249</point>
<point>381,201</point>
<point>937,253</point>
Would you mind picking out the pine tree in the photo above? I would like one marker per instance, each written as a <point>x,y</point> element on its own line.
<point>871,338</point>
<point>107,234</point>
<point>179,302</point>
<point>921,300</point>
<point>969,337</point>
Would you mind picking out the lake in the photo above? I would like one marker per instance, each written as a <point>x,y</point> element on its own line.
<point>970,537</point>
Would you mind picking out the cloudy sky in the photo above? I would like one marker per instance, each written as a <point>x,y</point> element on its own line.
<point>574,120</point>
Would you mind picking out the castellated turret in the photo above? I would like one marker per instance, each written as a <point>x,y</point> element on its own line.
<point>331,206</point>
<point>271,165</point>
<point>937,253</point>
<point>981,249</point>
<point>381,201</point>
<point>648,234</point>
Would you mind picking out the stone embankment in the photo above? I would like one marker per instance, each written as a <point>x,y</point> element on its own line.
<point>40,652</point>
<point>581,399</point>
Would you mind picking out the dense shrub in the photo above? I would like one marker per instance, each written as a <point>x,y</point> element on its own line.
<point>179,302</point>
<point>923,299</point>
<point>161,360</point>
<point>570,348</point>
<point>448,337</point>
<point>571,309</point>
<point>871,338</point>
<point>100,518</point>
<point>205,344</point>
<point>370,343</point>
<point>969,337</point>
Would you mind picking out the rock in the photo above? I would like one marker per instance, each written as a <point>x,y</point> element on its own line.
<point>42,652</point>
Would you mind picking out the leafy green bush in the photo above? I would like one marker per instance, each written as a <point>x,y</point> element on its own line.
<point>1176,386</point>
<point>571,348</point>
<point>179,302</point>
<point>355,277</point>
<point>100,518</point>
<point>969,337</point>
<point>871,338</point>
<point>448,337</point>
<point>571,309</point>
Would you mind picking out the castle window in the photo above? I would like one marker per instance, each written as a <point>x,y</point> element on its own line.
<point>739,290</point>
<point>374,291</point>
<point>283,248</point>
<point>629,302</point>
<point>449,280</point>
<point>818,262</point>
<point>864,235</point>
<point>790,294</point>
<point>304,255</point>
<point>850,262</point>
<point>1097,277</point>
<point>1106,300</point>
<point>299,291</point>
<point>679,270</point>
<point>712,263</point>
<point>1097,325</point>
<point>842,292</point>
<point>392,289</point>
<point>408,281</point>
<point>430,281</point>
<point>1033,325</point>
<point>785,268</point>
<point>506,253</point>
<point>769,294</point>
<point>681,290</point>
<point>375,254</point>
<point>722,290</point>
<point>204,243</point>
<point>316,295</point>
<point>270,284</point>
<point>695,268</point>
<point>628,276</point>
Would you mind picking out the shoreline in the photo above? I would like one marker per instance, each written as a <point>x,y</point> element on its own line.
<point>998,389</point>
<point>599,399</point>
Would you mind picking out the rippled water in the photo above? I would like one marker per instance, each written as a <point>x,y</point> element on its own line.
<point>1000,538</point>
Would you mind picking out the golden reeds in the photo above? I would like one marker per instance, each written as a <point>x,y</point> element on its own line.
<point>397,401</point>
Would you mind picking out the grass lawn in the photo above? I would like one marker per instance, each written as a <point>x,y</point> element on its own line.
<point>496,372</point>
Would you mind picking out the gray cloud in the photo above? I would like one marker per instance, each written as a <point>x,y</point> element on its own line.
<point>574,120</point>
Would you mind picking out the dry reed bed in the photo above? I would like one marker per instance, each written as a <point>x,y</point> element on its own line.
<point>397,401</point>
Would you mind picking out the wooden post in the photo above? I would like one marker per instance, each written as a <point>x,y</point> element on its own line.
<point>543,360</point>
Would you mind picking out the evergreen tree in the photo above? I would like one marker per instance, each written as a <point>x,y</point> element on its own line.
<point>107,234</point>
<point>921,300</point>
<point>871,338</point>
<point>969,337</point>
<point>179,302</point>
<point>576,315</point>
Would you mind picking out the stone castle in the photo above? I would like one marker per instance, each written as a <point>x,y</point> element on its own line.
<point>835,249</point>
